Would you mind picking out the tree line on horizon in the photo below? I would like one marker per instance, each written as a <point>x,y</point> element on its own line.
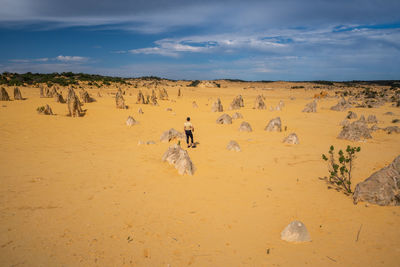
<point>70,78</point>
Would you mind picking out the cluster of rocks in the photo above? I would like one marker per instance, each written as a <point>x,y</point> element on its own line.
<point>46,92</point>
<point>373,98</point>
<point>342,105</point>
<point>163,94</point>
<point>355,131</point>
<point>141,99</point>
<point>388,129</point>
<point>358,130</point>
<point>5,97</point>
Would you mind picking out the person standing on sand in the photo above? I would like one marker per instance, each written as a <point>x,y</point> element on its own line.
<point>188,127</point>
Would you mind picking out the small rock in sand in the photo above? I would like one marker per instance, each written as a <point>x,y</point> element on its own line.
<point>274,125</point>
<point>245,127</point>
<point>291,139</point>
<point>224,119</point>
<point>233,146</point>
<point>131,121</point>
<point>296,231</point>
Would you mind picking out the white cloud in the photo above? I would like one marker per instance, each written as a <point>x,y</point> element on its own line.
<point>44,59</point>
<point>207,44</point>
<point>60,58</point>
<point>71,58</point>
<point>19,60</point>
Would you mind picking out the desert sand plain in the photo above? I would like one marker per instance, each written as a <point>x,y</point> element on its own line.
<point>82,192</point>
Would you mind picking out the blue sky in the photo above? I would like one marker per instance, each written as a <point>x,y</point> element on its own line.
<point>184,39</point>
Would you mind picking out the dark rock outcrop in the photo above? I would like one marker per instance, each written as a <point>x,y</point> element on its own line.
<point>382,187</point>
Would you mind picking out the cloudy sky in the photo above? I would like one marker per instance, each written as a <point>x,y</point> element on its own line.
<point>210,39</point>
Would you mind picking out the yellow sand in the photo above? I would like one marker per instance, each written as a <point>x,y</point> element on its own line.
<point>81,192</point>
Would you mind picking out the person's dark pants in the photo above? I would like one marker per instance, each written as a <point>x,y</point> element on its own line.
<point>189,134</point>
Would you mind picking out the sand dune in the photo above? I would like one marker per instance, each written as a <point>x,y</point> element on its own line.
<point>82,192</point>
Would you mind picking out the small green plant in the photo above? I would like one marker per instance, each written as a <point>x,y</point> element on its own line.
<point>41,109</point>
<point>340,172</point>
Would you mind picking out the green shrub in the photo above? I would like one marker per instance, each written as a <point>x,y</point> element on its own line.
<point>340,172</point>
